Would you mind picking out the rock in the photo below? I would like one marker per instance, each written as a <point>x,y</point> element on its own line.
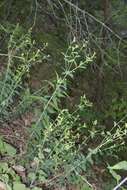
<point>2,186</point>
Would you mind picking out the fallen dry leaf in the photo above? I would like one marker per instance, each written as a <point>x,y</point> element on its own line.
<point>21,171</point>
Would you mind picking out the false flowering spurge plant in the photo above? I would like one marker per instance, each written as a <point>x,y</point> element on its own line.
<point>22,53</point>
<point>59,149</point>
<point>55,150</point>
<point>61,140</point>
<point>61,156</point>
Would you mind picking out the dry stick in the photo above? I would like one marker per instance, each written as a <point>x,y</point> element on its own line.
<point>94,18</point>
<point>35,16</point>
<point>120,184</point>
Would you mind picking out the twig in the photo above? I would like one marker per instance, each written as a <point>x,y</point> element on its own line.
<point>120,184</point>
<point>94,18</point>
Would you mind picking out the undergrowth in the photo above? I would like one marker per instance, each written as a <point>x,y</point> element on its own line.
<point>62,146</point>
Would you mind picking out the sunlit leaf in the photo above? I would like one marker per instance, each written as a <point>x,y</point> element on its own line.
<point>120,166</point>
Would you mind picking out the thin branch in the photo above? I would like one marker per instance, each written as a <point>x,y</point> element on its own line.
<point>120,184</point>
<point>93,17</point>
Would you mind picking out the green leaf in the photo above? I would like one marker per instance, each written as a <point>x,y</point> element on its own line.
<point>119,166</point>
<point>32,176</point>
<point>6,148</point>
<point>48,150</point>
<point>3,167</point>
<point>95,122</point>
<point>11,151</point>
<point>19,186</point>
<point>2,150</point>
<point>36,188</point>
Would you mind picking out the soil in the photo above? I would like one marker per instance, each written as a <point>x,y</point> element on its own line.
<point>16,132</point>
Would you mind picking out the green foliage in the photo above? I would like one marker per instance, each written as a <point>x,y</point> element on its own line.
<point>22,53</point>
<point>119,166</point>
<point>58,137</point>
<point>64,145</point>
<point>7,149</point>
<point>7,175</point>
<point>11,180</point>
<point>62,153</point>
<point>55,148</point>
<point>117,109</point>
